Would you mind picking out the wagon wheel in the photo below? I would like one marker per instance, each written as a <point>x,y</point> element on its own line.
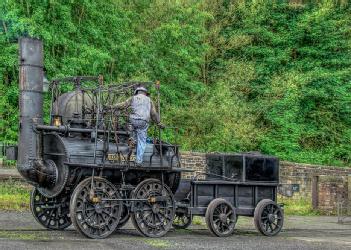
<point>124,217</point>
<point>52,213</point>
<point>268,217</point>
<point>92,216</point>
<point>153,218</point>
<point>220,217</point>
<point>182,221</point>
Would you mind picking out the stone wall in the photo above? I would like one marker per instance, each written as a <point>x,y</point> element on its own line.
<point>322,186</point>
<point>331,190</point>
<point>193,161</point>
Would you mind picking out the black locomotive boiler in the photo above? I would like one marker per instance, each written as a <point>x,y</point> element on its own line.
<point>81,164</point>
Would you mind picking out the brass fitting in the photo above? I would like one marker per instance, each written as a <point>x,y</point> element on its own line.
<point>152,200</point>
<point>95,199</point>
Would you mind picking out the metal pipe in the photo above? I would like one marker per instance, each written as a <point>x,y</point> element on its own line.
<point>97,116</point>
<point>67,129</point>
<point>159,117</point>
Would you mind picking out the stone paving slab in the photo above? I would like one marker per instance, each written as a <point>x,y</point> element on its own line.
<point>9,173</point>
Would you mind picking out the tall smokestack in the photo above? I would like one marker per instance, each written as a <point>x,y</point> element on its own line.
<point>30,163</point>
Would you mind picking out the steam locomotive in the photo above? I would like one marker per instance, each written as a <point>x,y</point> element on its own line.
<point>81,164</point>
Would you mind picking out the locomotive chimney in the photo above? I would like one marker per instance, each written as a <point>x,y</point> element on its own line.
<point>30,163</point>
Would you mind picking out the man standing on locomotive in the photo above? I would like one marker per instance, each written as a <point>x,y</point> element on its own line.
<point>142,110</point>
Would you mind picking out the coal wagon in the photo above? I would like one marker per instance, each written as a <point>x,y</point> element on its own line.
<point>233,185</point>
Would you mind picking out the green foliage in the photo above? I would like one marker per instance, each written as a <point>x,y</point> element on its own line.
<point>245,75</point>
<point>300,88</point>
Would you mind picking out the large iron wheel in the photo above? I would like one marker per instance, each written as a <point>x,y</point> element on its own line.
<point>153,218</point>
<point>51,213</point>
<point>182,221</point>
<point>91,215</point>
<point>220,217</point>
<point>268,217</point>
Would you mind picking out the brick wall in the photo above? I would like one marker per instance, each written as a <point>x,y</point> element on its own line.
<point>193,161</point>
<point>331,189</point>
<point>333,183</point>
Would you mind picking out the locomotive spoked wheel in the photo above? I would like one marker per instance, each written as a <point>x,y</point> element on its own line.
<point>220,218</point>
<point>181,221</point>
<point>52,213</point>
<point>153,218</point>
<point>91,215</point>
<point>268,217</point>
<point>124,217</point>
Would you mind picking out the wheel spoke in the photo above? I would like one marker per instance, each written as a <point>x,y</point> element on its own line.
<point>270,226</point>
<point>160,220</point>
<point>146,215</point>
<point>89,216</point>
<point>217,211</point>
<point>266,226</point>
<point>165,216</point>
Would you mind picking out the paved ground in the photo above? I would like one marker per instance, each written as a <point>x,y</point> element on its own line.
<point>9,173</point>
<point>20,231</point>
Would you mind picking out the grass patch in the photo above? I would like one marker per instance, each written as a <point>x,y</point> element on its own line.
<point>198,220</point>
<point>158,243</point>
<point>14,195</point>
<point>7,163</point>
<point>14,235</point>
<point>297,207</point>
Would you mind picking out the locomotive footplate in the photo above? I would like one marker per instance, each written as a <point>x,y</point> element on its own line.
<point>127,167</point>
